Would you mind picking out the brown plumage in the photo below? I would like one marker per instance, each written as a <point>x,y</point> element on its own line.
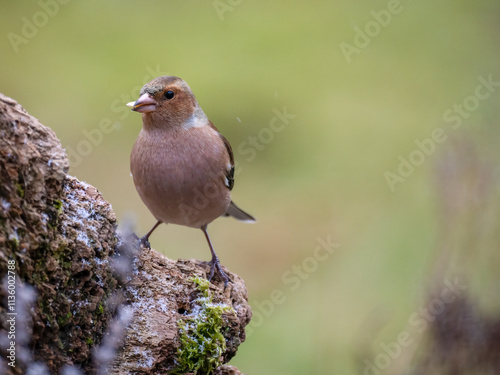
<point>183,168</point>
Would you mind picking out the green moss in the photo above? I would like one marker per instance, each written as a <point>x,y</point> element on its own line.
<point>100,309</point>
<point>39,277</point>
<point>201,341</point>
<point>20,190</point>
<point>89,341</point>
<point>14,241</point>
<point>63,320</point>
<point>63,256</point>
<point>58,206</point>
<point>46,311</point>
<point>202,284</point>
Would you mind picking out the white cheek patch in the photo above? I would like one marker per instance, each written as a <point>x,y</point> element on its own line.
<point>197,120</point>
<point>226,181</point>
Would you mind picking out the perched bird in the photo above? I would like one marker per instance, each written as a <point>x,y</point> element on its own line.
<point>183,168</point>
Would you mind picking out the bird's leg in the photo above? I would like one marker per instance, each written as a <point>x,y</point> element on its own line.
<point>145,239</point>
<point>214,263</point>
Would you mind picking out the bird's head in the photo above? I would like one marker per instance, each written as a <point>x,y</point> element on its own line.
<point>167,100</point>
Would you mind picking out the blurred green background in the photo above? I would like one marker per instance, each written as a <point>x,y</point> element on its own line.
<point>322,176</point>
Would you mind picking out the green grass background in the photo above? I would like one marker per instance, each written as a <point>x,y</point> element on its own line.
<point>323,175</point>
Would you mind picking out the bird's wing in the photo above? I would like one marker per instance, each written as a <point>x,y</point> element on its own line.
<point>230,168</point>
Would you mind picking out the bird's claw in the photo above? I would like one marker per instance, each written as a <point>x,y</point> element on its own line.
<point>214,264</point>
<point>143,241</point>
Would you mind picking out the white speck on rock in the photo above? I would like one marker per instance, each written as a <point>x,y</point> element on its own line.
<point>5,204</point>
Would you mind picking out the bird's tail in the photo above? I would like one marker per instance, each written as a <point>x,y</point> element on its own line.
<point>239,214</point>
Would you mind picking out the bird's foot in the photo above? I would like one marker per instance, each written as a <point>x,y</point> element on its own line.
<point>144,241</point>
<point>215,265</point>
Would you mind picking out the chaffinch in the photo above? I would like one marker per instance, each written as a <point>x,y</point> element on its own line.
<point>183,168</point>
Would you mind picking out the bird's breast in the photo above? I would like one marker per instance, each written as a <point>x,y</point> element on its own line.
<point>179,174</point>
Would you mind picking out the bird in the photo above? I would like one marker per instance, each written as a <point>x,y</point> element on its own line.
<point>182,166</point>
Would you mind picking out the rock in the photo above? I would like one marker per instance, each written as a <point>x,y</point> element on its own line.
<point>60,233</point>
<point>162,293</point>
<point>228,370</point>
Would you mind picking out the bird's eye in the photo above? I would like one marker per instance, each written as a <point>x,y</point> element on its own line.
<point>169,94</point>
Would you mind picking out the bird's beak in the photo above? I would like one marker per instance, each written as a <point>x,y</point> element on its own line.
<point>144,104</point>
